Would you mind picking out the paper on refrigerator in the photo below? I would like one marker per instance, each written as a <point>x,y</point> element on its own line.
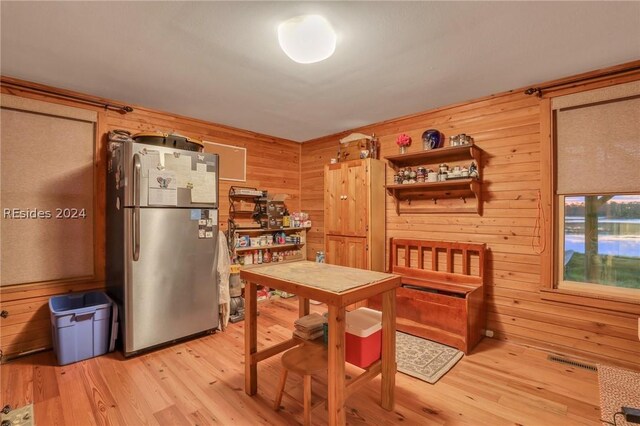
<point>181,165</point>
<point>150,160</point>
<point>204,187</point>
<point>163,188</point>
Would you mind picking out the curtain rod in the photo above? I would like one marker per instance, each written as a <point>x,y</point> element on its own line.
<point>538,90</point>
<point>113,107</point>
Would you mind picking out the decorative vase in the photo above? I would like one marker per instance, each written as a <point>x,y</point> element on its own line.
<point>431,139</point>
<point>403,150</point>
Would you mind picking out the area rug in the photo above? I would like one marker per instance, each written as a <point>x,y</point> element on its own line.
<point>424,359</point>
<point>618,388</point>
<point>22,416</point>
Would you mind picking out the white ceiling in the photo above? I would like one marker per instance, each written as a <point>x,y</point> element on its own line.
<point>220,61</point>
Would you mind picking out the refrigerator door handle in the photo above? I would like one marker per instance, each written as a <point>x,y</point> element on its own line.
<point>136,206</point>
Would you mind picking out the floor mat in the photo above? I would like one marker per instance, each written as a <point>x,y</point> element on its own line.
<point>618,388</point>
<point>424,359</point>
<point>22,416</point>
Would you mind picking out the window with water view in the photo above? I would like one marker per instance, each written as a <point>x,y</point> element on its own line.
<point>601,244</point>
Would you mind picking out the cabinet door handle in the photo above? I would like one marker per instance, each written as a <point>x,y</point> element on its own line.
<point>4,314</point>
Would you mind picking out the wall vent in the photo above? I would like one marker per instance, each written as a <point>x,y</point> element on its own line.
<point>563,360</point>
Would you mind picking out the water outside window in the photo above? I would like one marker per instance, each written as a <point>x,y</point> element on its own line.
<point>602,240</point>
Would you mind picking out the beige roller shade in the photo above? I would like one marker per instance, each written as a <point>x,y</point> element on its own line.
<point>598,147</point>
<point>619,91</point>
<point>48,108</point>
<point>47,164</point>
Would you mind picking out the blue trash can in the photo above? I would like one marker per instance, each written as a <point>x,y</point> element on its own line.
<point>80,325</point>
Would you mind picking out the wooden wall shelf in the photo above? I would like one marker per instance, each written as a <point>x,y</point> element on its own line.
<point>468,190</point>
<point>435,156</point>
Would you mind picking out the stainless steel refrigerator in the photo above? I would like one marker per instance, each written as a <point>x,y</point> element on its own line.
<point>162,239</point>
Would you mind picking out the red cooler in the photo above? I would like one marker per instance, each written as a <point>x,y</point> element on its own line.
<point>363,340</point>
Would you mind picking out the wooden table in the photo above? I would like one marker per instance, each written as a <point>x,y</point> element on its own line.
<point>337,286</point>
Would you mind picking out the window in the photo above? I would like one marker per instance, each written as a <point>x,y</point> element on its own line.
<point>597,191</point>
<point>599,243</point>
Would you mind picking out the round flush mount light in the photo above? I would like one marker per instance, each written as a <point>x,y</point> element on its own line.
<point>307,39</point>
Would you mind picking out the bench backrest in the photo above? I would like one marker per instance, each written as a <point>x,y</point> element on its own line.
<point>442,265</point>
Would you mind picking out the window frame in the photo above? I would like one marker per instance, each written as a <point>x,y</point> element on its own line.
<point>550,232</point>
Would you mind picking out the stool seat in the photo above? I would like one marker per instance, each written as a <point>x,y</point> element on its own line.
<point>304,360</point>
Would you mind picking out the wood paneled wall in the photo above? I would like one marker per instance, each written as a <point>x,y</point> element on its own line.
<point>507,128</point>
<point>272,164</point>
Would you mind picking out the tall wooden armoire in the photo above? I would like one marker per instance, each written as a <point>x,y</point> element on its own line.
<point>354,214</point>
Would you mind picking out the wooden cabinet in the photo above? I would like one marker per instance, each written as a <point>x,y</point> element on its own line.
<point>346,251</point>
<point>347,197</point>
<point>354,214</point>
<point>451,196</point>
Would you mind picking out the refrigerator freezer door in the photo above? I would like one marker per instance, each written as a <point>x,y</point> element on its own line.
<point>171,291</point>
<point>156,176</point>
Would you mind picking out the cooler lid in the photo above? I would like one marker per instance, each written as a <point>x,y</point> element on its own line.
<point>363,322</point>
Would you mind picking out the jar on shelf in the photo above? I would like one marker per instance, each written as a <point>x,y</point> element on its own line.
<point>473,170</point>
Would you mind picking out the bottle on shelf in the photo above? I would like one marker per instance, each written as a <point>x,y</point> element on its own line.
<point>286,219</point>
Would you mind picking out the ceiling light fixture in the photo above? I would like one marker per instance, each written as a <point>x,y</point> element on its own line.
<point>307,39</point>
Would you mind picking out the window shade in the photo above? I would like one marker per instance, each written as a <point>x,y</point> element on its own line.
<point>609,93</point>
<point>47,157</point>
<point>598,147</point>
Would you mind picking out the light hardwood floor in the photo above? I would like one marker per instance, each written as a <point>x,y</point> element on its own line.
<point>201,382</point>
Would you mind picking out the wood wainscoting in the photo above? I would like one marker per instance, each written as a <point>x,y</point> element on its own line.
<point>507,129</point>
<point>272,164</point>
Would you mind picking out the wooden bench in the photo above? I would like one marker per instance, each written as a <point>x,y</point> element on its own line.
<point>442,293</point>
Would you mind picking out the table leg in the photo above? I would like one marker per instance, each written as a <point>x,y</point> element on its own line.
<point>388,350</point>
<point>336,382</point>
<point>303,306</point>
<point>250,338</point>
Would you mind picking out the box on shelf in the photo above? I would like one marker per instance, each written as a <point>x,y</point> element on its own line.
<point>245,206</point>
<point>363,339</point>
<point>275,211</point>
<point>80,325</point>
<point>275,222</point>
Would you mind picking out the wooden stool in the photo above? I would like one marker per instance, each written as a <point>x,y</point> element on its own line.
<point>303,360</point>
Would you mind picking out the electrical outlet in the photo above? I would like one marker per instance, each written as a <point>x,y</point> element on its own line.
<point>488,333</point>
<point>631,415</point>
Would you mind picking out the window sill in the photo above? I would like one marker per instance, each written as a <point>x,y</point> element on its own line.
<point>628,305</point>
